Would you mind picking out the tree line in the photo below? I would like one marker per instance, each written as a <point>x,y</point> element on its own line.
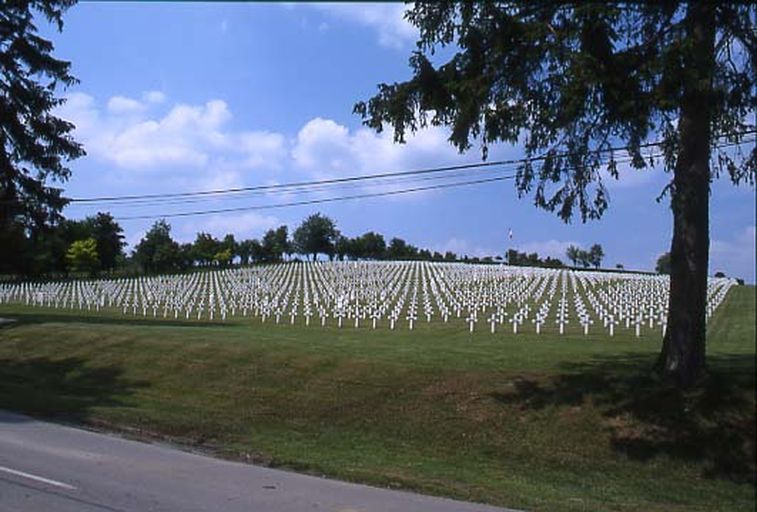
<point>592,257</point>
<point>316,236</point>
<point>95,245</point>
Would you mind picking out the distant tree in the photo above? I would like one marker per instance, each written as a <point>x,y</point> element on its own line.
<point>341,246</point>
<point>185,258</point>
<point>573,253</point>
<point>719,274</point>
<point>157,251</point>
<point>244,251</point>
<point>663,264</point>
<point>619,266</point>
<point>596,254</point>
<point>223,257</point>
<point>513,257</point>
<point>35,144</point>
<point>315,235</point>
<point>355,248</point>
<point>571,80</point>
<point>450,256</point>
<point>257,254</point>
<point>275,244</point>
<point>108,235</point>
<point>229,244</point>
<point>397,250</point>
<point>552,263</point>
<point>584,258</point>
<point>372,246</point>
<point>53,241</point>
<point>205,248</point>
<point>82,256</point>
<point>71,230</point>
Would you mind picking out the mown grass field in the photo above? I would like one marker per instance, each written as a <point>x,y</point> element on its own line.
<point>540,423</point>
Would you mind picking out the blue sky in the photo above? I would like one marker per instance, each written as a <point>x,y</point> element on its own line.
<point>181,97</point>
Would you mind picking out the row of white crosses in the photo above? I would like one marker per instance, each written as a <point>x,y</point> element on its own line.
<point>384,295</point>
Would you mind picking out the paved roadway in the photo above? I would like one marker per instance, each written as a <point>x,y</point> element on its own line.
<point>50,467</point>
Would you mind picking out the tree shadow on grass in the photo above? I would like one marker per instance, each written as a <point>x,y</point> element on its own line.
<point>646,416</point>
<point>66,389</point>
<point>20,319</point>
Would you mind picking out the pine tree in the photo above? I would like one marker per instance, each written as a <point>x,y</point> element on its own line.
<point>573,80</point>
<point>35,146</point>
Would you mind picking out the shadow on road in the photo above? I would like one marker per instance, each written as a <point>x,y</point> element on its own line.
<point>647,417</point>
<point>66,389</point>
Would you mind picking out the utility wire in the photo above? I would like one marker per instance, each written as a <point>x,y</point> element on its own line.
<point>349,179</point>
<point>323,200</point>
<point>314,189</point>
<point>407,181</point>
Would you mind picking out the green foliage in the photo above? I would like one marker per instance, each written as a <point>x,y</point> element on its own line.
<point>372,246</point>
<point>82,256</point>
<point>35,145</point>
<point>315,235</point>
<point>223,257</point>
<point>108,235</point>
<point>157,251</point>
<point>573,253</point>
<point>205,248</point>
<point>341,246</point>
<point>248,250</point>
<point>572,80</point>
<point>531,260</point>
<point>663,264</point>
<point>230,244</point>
<point>398,249</point>
<point>275,244</point>
<point>595,255</point>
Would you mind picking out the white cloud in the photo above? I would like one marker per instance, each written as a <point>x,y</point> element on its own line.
<point>462,247</point>
<point>552,248</point>
<point>327,149</point>
<point>124,105</point>
<point>735,257</point>
<point>387,19</point>
<point>154,97</point>
<point>186,137</point>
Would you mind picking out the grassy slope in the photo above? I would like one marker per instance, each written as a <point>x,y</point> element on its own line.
<point>542,423</point>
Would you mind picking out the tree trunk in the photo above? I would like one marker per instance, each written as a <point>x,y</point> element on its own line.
<point>683,349</point>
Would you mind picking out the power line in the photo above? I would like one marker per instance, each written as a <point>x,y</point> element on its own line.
<point>284,186</point>
<point>395,181</point>
<point>405,180</point>
<point>149,203</point>
<point>320,201</point>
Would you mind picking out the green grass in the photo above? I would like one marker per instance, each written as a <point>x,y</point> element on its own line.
<point>543,423</point>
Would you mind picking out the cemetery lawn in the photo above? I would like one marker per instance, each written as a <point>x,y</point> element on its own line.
<point>539,423</point>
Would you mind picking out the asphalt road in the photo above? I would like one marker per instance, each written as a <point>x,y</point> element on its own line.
<point>49,467</point>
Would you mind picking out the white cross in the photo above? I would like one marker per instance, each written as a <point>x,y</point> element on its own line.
<point>411,317</point>
<point>472,320</point>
